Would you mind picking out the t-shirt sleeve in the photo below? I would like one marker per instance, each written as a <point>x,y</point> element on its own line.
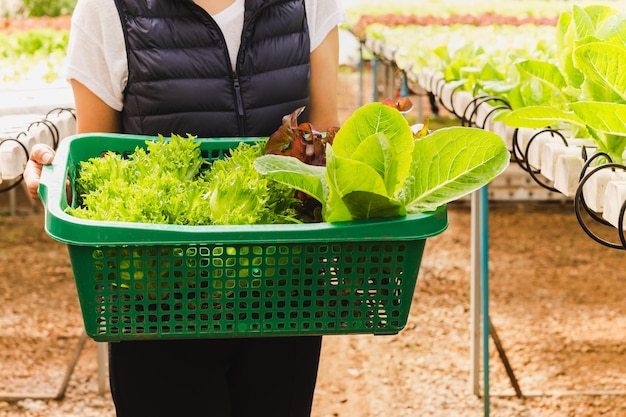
<point>323,16</point>
<point>96,55</point>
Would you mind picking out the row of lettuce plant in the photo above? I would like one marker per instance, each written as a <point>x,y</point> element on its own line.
<point>474,55</point>
<point>569,82</point>
<point>37,53</point>
<point>465,12</point>
<point>584,92</point>
<point>585,89</point>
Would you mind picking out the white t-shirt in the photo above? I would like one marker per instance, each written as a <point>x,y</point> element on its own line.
<point>96,54</point>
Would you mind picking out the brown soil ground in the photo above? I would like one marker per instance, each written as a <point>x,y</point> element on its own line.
<point>556,301</point>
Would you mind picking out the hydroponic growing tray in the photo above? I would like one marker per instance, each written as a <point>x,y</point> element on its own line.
<point>139,281</point>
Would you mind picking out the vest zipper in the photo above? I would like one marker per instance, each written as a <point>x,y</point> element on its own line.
<point>240,109</point>
<point>241,121</point>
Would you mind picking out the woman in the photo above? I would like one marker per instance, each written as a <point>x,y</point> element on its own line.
<point>210,68</point>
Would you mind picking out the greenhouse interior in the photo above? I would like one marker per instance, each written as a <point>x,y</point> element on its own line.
<point>457,242</point>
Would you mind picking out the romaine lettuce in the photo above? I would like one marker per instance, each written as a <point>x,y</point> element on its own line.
<point>376,168</point>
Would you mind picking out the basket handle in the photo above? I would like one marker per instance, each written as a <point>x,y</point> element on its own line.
<point>52,187</point>
<point>51,182</point>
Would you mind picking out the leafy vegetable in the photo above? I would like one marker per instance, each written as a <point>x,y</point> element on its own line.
<point>239,194</point>
<point>588,79</point>
<point>451,163</point>
<point>165,183</point>
<point>37,53</point>
<point>375,167</point>
<point>301,141</point>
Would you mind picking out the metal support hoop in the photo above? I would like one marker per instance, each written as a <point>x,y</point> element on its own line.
<point>516,151</point>
<point>464,117</point>
<point>60,110</point>
<point>479,101</point>
<point>620,225</point>
<point>430,83</point>
<point>21,177</point>
<point>505,106</point>
<point>437,89</point>
<point>51,128</point>
<point>590,212</point>
<point>578,198</point>
<point>454,90</point>
<point>532,172</point>
<point>428,88</point>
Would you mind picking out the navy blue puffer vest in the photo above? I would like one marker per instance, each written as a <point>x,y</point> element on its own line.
<point>181,80</point>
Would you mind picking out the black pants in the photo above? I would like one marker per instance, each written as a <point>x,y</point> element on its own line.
<point>273,377</point>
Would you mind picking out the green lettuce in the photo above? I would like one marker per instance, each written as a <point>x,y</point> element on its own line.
<point>376,168</point>
<point>168,182</point>
<point>239,194</point>
<point>587,86</point>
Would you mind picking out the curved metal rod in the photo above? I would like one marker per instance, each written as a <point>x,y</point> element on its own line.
<point>520,153</point>
<point>495,109</point>
<point>529,169</point>
<point>559,134</point>
<point>18,142</point>
<point>452,93</point>
<point>480,102</point>
<point>578,197</point>
<point>475,90</point>
<point>440,84</point>
<point>59,110</point>
<point>440,94</point>
<point>439,89</point>
<point>432,97</point>
<point>428,89</point>
<point>516,151</point>
<point>483,100</point>
<point>583,202</point>
<point>430,83</point>
<point>21,178</point>
<point>533,175</point>
<point>464,117</point>
<point>51,128</point>
<point>620,225</point>
<point>12,186</point>
<point>595,156</point>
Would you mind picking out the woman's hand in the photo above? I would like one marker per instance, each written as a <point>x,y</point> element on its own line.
<point>40,155</point>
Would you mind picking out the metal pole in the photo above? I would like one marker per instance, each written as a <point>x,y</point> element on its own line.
<point>484,284</point>
<point>404,87</point>
<point>360,98</point>
<point>475,299</point>
<point>66,379</point>
<point>374,78</point>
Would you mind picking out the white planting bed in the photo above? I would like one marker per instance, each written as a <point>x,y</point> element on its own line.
<point>31,113</point>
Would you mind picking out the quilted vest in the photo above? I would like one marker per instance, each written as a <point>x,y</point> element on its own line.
<point>181,80</point>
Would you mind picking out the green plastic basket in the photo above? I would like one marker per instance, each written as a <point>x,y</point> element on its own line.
<point>144,281</point>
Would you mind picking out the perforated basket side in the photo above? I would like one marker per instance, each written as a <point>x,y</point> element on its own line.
<point>246,290</point>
